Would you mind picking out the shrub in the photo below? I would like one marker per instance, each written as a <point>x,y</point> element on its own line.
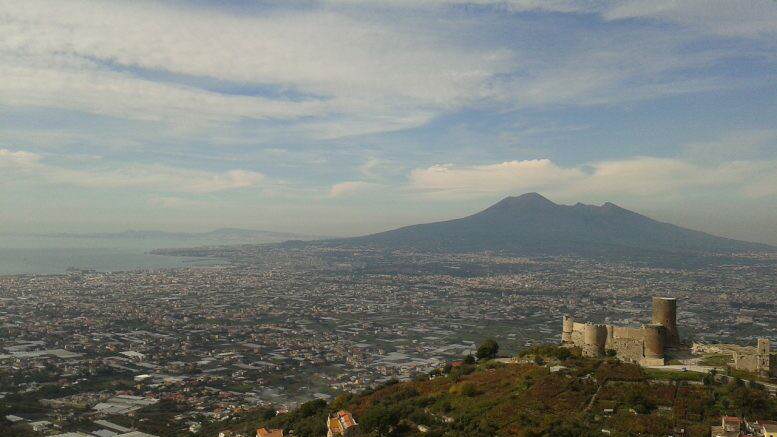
<point>488,349</point>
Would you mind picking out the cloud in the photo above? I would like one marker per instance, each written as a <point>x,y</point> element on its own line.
<point>642,177</point>
<point>151,177</point>
<point>751,18</point>
<point>172,202</point>
<point>18,159</point>
<point>333,69</point>
<point>186,64</point>
<point>159,178</point>
<point>350,188</point>
<point>529,175</point>
<point>379,169</point>
<point>737,145</point>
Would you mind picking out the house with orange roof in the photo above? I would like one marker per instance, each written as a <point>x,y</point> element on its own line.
<point>339,423</point>
<point>264,432</point>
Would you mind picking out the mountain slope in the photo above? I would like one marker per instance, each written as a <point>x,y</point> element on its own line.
<point>532,224</point>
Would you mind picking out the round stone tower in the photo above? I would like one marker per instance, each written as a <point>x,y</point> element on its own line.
<point>665,314</point>
<point>568,325</point>
<point>654,336</point>
<point>594,340</point>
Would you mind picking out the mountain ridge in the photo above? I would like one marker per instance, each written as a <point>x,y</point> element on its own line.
<point>532,224</point>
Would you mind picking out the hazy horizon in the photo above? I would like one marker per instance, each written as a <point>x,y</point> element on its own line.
<point>344,118</point>
<point>53,234</point>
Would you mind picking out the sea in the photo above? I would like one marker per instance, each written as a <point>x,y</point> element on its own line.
<point>47,255</point>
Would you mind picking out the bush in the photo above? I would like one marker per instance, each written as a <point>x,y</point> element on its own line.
<point>548,351</point>
<point>463,389</point>
<point>488,350</point>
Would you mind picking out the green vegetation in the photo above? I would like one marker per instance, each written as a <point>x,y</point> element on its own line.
<point>548,351</point>
<point>488,350</point>
<point>743,374</point>
<point>493,399</point>
<point>716,360</point>
<point>668,375</point>
<point>488,398</point>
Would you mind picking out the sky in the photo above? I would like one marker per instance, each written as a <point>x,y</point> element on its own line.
<point>346,117</point>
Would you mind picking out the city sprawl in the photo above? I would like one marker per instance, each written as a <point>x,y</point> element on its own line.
<point>278,326</point>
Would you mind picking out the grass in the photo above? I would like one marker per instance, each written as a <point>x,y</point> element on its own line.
<point>669,375</point>
<point>745,375</point>
<point>716,360</point>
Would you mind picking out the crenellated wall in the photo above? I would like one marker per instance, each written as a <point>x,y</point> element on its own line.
<point>646,344</point>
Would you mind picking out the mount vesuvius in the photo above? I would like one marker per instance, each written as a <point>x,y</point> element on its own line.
<point>530,224</point>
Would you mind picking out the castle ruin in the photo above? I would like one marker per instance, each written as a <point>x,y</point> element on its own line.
<point>758,359</point>
<point>645,345</point>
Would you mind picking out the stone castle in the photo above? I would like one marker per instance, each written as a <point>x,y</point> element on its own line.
<point>645,345</point>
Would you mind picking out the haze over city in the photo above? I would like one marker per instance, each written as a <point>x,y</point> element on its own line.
<point>344,118</point>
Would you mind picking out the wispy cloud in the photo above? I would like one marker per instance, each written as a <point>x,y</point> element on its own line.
<point>133,176</point>
<point>350,188</point>
<point>129,60</point>
<point>173,202</point>
<point>332,71</point>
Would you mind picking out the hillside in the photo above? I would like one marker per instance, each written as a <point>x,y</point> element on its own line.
<point>494,399</point>
<point>533,225</point>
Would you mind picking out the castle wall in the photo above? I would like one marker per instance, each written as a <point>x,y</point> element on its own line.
<point>627,349</point>
<point>746,361</point>
<point>577,338</point>
<point>627,333</point>
<point>640,345</point>
<point>576,335</point>
<point>628,343</point>
<point>703,348</point>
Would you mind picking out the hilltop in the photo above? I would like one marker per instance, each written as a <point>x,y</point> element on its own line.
<point>549,392</point>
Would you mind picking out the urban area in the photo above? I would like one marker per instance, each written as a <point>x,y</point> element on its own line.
<point>99,354</point>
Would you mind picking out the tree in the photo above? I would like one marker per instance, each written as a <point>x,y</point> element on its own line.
<point>488,350</point>
<point>379,418</point>
<point>469,359</point>
<point>311,408</point>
